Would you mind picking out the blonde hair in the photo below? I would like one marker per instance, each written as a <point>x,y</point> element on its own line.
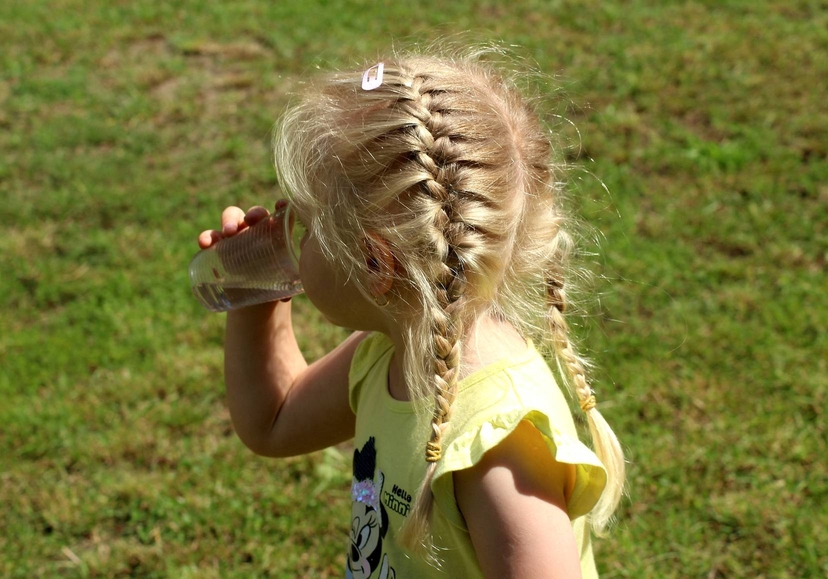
<point>447,163</point>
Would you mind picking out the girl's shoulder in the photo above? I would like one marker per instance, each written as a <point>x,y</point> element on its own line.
<point>494,402</point>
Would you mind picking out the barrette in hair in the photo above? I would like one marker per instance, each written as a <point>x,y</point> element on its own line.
<point>372,77</point>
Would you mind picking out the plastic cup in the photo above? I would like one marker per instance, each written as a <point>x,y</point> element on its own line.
<point>257,265</point>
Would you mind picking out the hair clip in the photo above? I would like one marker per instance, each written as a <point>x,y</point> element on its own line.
<point>372,77</point>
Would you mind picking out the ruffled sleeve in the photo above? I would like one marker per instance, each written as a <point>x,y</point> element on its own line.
<point>488,411</point>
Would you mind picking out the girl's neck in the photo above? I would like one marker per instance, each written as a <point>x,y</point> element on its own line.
<point>488,341</point>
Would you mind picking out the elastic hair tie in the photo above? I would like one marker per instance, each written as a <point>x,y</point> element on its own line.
<point>434,452</point>
<point>588,403</point>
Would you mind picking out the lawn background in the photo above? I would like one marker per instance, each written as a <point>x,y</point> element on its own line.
<point>699,162</point>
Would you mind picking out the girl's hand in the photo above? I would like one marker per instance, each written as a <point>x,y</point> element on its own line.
<point>233,220</point>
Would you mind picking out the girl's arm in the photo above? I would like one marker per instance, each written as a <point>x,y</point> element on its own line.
<point>279,405</point>
<point>514,504</point>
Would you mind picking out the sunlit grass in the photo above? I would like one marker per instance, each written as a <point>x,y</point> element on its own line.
<point>125,129</point>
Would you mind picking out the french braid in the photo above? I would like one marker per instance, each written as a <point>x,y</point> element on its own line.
<point>433,154</point>
<point>440,195</point>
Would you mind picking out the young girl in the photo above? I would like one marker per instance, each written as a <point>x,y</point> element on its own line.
<point>435,230</point>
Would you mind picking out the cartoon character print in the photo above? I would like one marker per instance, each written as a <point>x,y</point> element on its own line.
<point>369,520</point>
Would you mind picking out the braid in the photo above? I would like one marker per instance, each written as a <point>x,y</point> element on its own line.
<point>560,334</point>
<point>449,281</point>
<point>606,444</point>
<point>439,193</point>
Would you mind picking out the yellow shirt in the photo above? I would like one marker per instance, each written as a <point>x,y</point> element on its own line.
<point>389,461</point>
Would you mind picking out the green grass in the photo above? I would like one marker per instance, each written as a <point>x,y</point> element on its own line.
<point>125,128</point>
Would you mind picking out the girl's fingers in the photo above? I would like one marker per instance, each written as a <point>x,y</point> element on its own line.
<point>255,214</point>
<point>208,238</point>
<point>232,221</point>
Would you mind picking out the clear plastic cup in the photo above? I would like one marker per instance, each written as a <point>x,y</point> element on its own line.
<point>257,265</point>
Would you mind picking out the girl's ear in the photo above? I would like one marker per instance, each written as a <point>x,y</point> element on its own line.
<point>382,265</point>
